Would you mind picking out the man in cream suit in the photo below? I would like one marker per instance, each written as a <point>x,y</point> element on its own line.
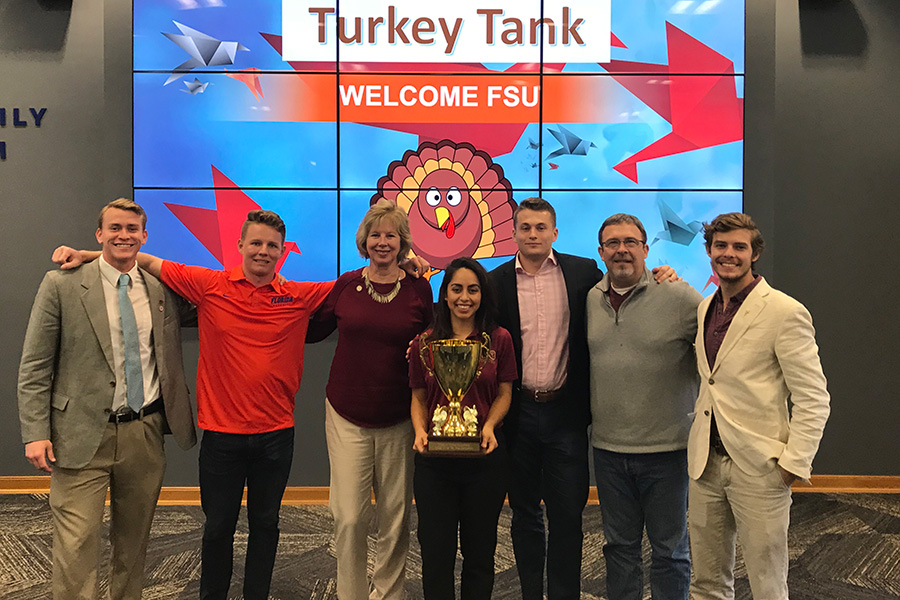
<point>101,379</point>
<point>756,350</point>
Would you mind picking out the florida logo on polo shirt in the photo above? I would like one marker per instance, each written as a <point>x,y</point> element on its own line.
<point>282,300</point>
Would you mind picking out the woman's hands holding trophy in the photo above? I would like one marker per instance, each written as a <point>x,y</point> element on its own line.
<point>488,439</point>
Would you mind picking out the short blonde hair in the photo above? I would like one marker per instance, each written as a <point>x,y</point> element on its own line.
<point>123,204</point>
<point>385,211</point>
<point>264,217</point>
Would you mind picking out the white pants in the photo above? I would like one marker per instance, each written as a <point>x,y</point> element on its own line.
<point>724,502</point>
<point>364,460</point>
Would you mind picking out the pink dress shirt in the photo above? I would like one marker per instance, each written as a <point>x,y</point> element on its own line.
<point>544,316</point>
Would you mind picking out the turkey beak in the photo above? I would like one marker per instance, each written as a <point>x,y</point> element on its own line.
<point>441,214</point>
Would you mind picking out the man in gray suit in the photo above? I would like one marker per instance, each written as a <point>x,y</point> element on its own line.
<point>101,380</point>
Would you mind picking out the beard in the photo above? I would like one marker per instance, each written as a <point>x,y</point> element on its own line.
<point>736,274</point>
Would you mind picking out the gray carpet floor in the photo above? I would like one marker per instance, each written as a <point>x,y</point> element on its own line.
<point>842,547</point>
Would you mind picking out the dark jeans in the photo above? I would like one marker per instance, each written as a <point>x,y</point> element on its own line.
<point>464,495</point>
<point>548,455</point>
<point>227,462</point>
<point>637,490</point>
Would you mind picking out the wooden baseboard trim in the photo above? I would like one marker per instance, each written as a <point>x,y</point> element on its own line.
<point>851,484</point>
<point>168,496</point>
<point>36,484</point>
<point>293,496</point>
<point>312,495</point>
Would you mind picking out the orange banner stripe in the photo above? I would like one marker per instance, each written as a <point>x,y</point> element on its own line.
<point>402,98</point>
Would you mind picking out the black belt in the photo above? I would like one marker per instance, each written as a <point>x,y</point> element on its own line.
<point>542,395</point>
<point>715,441</point>
<point>717,446</point>
<point>130,415</point>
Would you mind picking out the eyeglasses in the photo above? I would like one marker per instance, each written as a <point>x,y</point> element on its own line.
<point>630,243</point>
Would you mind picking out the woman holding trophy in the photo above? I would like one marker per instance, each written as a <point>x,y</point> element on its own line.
<point>377,310</point>
<point>461,373</point>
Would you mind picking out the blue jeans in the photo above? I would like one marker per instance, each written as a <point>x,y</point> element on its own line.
<point>638,490</point>
<point>548,457</point>
<point>227,462</point>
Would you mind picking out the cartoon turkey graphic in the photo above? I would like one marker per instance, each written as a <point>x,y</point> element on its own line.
<point>458,201</point>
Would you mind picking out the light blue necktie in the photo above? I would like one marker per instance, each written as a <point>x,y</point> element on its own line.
<point>134,378</point>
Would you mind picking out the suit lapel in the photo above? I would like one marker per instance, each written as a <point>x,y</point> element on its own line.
<point>702,361</point>
<point>157,305</point>
<point>746,315</point>
<point>571,292</point>
<point>94,302</point>
<point>510,283</point>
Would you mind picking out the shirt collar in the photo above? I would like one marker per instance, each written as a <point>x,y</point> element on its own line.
<point>739,298</point>
<point>111,274</point>
<point>550,260</point>
<point>475,335</point>
<point>605,284</point>
<point>237,274</point>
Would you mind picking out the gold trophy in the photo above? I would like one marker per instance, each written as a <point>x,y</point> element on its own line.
<point>455,364</point>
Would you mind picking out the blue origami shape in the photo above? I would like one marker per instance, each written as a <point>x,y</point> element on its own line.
<point>205,51</point>
<point>195,87</point>
<point>676,230</point>
<point>570,143</point>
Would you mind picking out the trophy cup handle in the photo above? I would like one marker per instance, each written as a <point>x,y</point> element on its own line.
<point>425,350</point>
<point>485,353</point>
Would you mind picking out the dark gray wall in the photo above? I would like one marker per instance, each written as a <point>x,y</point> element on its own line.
<point>54,179</point>
<point>837,221</point>
<point>821,143</point>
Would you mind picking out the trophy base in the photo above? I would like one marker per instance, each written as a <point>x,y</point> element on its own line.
<point>455,447</point>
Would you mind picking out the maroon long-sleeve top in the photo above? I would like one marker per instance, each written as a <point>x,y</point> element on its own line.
<point>369,383</point>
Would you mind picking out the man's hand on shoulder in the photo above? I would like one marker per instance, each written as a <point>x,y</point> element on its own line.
<point>415,266</point>
<point>69,258</point>
<point>40,454</point>
<point>665,273</point>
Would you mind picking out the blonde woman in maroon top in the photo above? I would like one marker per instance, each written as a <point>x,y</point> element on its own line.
<point>463,495</point>
<point>377,310</point>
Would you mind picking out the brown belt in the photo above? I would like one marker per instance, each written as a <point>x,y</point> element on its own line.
<point>542,395</point>
<point>130,415</point>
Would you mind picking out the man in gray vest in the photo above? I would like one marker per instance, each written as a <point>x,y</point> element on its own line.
<point>643,385</point>
<point>101,379</point>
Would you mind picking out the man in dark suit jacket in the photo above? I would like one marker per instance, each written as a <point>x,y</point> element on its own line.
<point>541,300</point>
<point>77,410</point>
<point>541,297</point>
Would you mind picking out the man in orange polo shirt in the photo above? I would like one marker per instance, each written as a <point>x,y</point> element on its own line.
<point>252,331</point>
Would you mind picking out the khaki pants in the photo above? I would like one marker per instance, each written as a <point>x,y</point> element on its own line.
<point>130,462</point>
<point>363,460</point>
<point>726,503</point>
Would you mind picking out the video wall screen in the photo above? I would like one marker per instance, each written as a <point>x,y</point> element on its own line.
<point>315,109</point>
